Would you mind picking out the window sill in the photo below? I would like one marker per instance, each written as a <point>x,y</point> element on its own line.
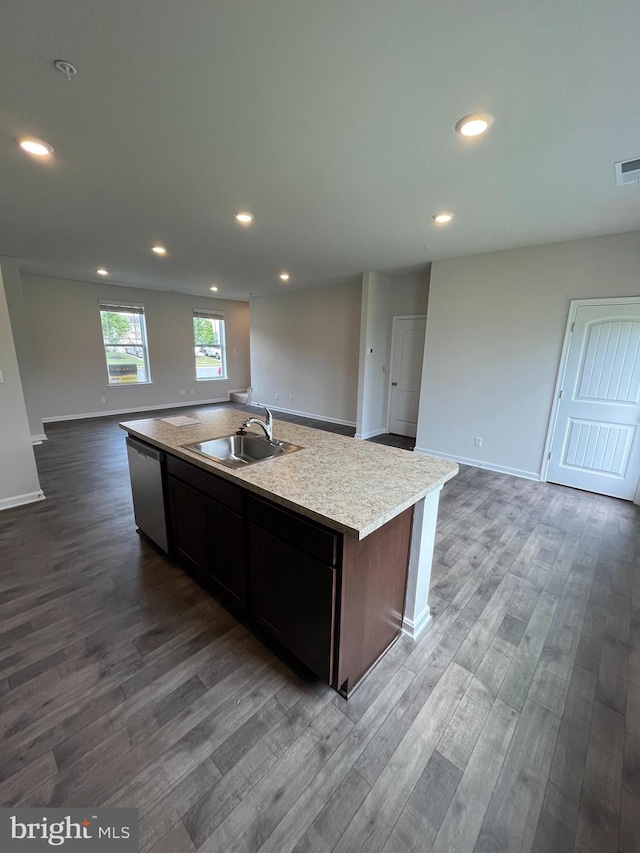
<point>214,379</point>
<point>128,384</point>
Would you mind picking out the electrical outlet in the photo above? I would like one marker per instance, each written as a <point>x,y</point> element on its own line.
<point>103,399</point>
<point>182,392</point>
<point>277,396</point>
<point>191,392</point>
<point>477,441</point>
<point>291,398</point>
<point>1,377</point>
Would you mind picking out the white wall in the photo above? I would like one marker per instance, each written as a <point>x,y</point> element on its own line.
<point>19,482</point>
<point>383,298</point>
<point>69,354</point>
<point>495,327</point>
<point>304,344</point>
<point>24,346</point>
<point>410,293</point>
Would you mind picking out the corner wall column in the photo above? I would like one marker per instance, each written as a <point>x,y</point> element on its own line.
<point>19,483</point>
<point>23,345</point>
<point>417,614</point>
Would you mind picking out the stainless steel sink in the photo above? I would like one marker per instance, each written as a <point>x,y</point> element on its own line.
<point>236,451</point>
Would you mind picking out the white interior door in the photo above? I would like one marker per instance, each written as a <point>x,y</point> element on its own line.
<point>407,351</point>
<point>595,444</point>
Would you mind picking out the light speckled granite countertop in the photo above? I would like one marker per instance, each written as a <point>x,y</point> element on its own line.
<point>349,485</point>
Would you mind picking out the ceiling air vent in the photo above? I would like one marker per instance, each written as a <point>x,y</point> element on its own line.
<point>628,172</point>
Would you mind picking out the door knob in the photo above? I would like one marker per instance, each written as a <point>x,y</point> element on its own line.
<point>394,383</point>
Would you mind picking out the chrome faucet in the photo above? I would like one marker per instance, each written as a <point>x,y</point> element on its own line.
<point>267,424</point>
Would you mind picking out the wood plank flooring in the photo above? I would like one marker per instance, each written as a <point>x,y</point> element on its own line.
<point>512,726</point>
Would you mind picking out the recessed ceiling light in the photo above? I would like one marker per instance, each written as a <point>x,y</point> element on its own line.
<point>244,217</point>
<point>284,276</point>
<point>474,124</point>
<point>102,271</point>
<point>35,146</point>
<point>214,288</point>
<point>159,250</point>
<point>443,218</point>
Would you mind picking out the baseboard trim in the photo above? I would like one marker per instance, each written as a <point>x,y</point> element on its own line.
<point>476,463</point>
<point>413,629</point>
<point>308,415</point>
<point>85,415</point>
<point>38,439</point>
<point>21,500</point>
<point>374,432</point>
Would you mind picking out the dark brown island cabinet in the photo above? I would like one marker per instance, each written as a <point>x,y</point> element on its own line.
<point>335,602</point>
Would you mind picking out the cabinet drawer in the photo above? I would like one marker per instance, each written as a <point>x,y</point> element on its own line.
<point>305,535</point>
<point>214,487</point>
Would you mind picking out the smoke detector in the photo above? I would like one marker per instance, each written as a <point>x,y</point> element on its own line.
<point>627,172</point>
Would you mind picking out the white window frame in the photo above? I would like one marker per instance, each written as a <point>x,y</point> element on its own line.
<point>115,307</point>
<point>211,315</point>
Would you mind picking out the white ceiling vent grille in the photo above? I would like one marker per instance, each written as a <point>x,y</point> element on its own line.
<point>628,172</point>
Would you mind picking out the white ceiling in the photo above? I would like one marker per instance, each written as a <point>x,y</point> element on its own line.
<point>331,120</point>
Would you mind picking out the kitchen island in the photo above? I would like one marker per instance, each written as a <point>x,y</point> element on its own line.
<point>328,549</point>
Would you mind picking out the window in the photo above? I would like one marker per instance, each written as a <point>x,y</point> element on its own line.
<point>208,340</point>
<point>125,343</point>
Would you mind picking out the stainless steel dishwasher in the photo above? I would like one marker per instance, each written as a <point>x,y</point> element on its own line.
<point>146,469</point>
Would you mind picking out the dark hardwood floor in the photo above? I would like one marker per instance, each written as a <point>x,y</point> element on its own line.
<point>512,726</point>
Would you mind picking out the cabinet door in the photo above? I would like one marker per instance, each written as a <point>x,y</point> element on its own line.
<point>188,510</point>
<point>209,538</point>
<point>293,596</point>
<point>226,561</point>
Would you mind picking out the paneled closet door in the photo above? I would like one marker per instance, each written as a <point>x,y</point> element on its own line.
<point>596,443</point>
